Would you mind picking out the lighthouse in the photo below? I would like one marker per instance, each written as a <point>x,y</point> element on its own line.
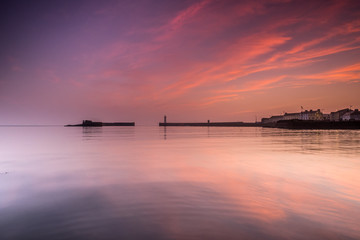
<point>164,119</point>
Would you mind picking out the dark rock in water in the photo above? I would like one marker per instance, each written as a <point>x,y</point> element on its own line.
<point>89,123</point>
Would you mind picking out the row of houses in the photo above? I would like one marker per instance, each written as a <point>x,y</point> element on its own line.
<point>316,115</point>
<point>351,115</point>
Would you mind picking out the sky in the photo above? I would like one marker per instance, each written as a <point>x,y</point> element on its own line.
<point>65,61</point>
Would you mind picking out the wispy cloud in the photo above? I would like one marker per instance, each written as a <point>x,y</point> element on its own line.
<point>350,73</point>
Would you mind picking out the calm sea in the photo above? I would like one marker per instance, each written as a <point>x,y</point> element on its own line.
<point>149,182</point>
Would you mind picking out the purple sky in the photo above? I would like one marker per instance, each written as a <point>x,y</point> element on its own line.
<point>64,61</point>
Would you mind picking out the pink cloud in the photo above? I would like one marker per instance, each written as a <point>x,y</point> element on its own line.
<point>348,73</point>
<point>234,56</point>
<point>175,24</point>
<point>219,98</point>
<point>256,85</point>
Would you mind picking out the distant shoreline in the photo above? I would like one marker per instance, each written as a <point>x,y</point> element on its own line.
<point>282,124</point>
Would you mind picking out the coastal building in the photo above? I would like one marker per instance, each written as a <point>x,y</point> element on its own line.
<point>291,116</point>
<point>326,116</point>
<point>312,115</point>
<point>351,116</point>
<point>305,115</point>
<point>337,116</point>
<point>345,116</point>
<point>355,115</point>
<point>272,119</point>
<point>265,120</point>
<point>316,115</point>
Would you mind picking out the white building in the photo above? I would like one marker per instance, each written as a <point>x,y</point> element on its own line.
<point>312,115</point>
<point>337,116</point>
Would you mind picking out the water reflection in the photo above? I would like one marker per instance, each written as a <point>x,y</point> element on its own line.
<point>91,133</point>
<point>314,141</point>
<point>164,128</point>
<point>201,183</point>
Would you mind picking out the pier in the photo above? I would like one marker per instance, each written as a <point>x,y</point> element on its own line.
<point>208,124</point>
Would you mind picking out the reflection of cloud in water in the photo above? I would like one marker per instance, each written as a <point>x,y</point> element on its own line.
<point>201,183</point>
<point>108,133</point>
<point>151,211</point>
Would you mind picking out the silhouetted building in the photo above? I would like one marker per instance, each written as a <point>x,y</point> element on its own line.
<point>264,120</point>
<point>291,116</point>
<point>355,115</point>
<point>337,116</point>
<point>345,116</point>
<point>272,119</point>
<point>326,116</point>
<point>351,116</point>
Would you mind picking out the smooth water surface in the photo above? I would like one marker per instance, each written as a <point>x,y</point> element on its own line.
<point>179,183</point>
